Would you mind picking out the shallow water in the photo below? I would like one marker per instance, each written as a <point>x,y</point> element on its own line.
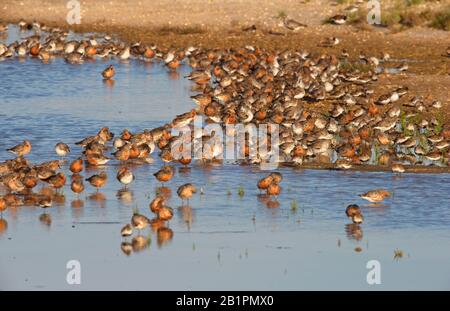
<point>221,240</point>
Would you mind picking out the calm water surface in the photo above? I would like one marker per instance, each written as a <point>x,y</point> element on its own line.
<point>221,240</point>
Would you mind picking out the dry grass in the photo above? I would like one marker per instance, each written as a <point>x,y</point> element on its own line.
<point>410,13</point>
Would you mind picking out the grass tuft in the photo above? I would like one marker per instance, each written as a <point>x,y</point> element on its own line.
<point>441,19</point>
<point>241,191</point>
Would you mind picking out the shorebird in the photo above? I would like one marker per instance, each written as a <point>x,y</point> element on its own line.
<point>123,154</point>
<point>329,42</point>
<point>185,161</point>
<point>77,186</point>
<point>165,213</point>
<point>274,189</point>
<point>184,119</point>
<point>139,221</point>
<point>21,149</point>
<point>338,19</point>
<point>354,213</point>
<point>109,72</point>
<point>30,181</point>
<point>264,182</point>
<point>97,159</point>
<point>57,181</point>
<point>13,200</point>
<point>293,25</point>
<point>3,206</point>
<point>165,174</point>
<point>98,181</point>
<point>76,166</point>
<point>156,204</point>
<point>186,191</point>
<point>45,202</point>
<point>62,149</point>
<point>127,230</point>
<point>375,196</point>
<point>125,53</point>
<point>397,168</point>
<point>125,176</point>
<point>277,177</point>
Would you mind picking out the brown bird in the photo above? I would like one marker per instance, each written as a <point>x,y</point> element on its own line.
<point>185,161</point>
<point>265,182</point>
<point>354,212</point>
<point>98,181</point>
<point>21,149</point>
<point>125,176</point>
<point>165,213</point>
<point>274,189</point>
<point>186,191</point>
<point>14,184</point>
<point>3,206</point>
<point>62,149</point>
<point>277,177</point>
<point>156,204</point>
<point>139,221</point>
<point>76,166</point>
<point>375,196</point>
<point>165,174</point>
<point>123,154</point>
<point>109,72</point>
<point>45,202</point>
<point>30,181</point>
<point>57,181</point>
<point>97,159</point>
<point>127,230</point>
<point>77,186</point>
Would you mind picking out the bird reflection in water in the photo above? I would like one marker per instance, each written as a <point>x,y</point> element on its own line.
<point>125,196</point>
<point>45,219</point>
<point>109,83</point>
<point>163,236</point>
<point>187,215</point>
<point>166,192</point>
<point>3,226</point>
<point>59,199</point>
<point>354,232</point>
<point>173,75</point>
<point>267,201</point>
<point>140,242</point>
<point>126,248</point>
<point>77,208</point>
<point>98,198</point>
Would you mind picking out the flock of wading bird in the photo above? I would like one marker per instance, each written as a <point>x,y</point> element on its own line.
<point>325,106</point>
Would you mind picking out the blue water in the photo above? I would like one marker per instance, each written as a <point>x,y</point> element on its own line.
<point>221,240</point>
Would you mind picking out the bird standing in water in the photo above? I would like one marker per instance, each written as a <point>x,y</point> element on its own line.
<point>109,72</point>
<point>22,149</point>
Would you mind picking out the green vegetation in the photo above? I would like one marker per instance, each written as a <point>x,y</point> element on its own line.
<point>441,19</point>
<point>413,2</point>
<point>281,14</point>
<point>294,206</point>
<point>241,191</point>
<point>439,126</point>
<point>348,67</point>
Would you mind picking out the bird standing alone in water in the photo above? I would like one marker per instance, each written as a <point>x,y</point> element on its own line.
<point>109,72</point>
